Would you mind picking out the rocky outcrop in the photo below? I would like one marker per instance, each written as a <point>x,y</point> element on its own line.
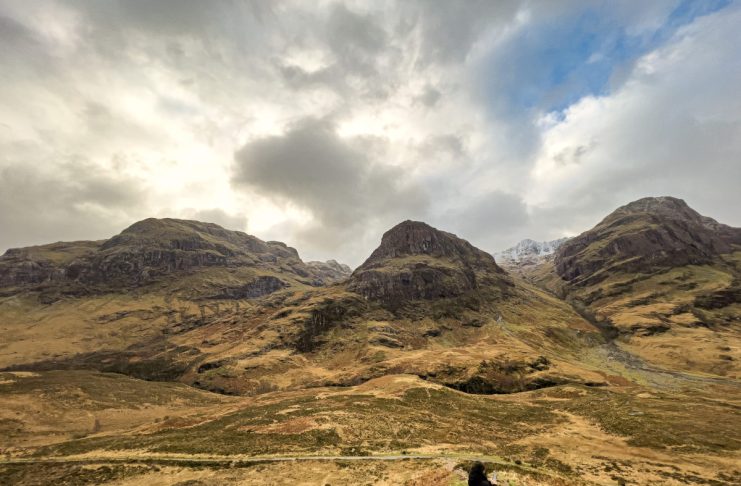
<point>416,238</point>
<point>259,287</point>
<point>324,316</point>
<point>330,271</point>
<point>643,236</point>
<point>418,262</point>
<point>150,250</point>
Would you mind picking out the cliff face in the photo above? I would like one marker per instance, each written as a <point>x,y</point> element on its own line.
<point>418,262</point>
<point>646,235</point>
<point>151,250</point>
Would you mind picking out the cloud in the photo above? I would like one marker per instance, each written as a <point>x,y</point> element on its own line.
<point>673,128</point>
<point>322,125</point>
<point>75,200</point>
<point>488,220</point>
<point>449,31</point>
<point>337,179</point>
<point>236,222</point>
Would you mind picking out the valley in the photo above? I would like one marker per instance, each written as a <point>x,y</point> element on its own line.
<point>178,352</point>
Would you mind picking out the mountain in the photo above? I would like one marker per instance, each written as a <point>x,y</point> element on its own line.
<point>420,292</point>
<point>648,234</point>
<point>224,311</point>
<point>106,304</point>
<point>662,278</point>
<point>528,252</point>
<point>202,259</point>
<point>416,261</point>
<point>180,348</point>
<point>330,271</point>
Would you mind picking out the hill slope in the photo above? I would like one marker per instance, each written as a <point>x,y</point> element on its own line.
<point>430,354</point>
<point>660,276</point>
<point>425,302</point>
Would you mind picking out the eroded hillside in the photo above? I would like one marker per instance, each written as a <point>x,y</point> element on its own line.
<point>178,348</point>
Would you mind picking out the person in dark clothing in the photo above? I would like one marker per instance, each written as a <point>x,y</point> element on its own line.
<point>477,476</point>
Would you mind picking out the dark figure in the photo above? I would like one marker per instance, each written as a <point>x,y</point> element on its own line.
<point>477,476</point>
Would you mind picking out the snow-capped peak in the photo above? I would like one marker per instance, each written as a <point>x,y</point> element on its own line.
<point>528,250</point>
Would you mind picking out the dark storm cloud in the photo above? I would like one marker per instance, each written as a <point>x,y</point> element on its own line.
<point>335,178</point>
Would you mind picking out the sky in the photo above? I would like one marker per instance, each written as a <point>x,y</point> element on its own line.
<point>322,124</point>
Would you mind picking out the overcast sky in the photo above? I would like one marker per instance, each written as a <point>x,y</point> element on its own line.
<point>323,124</point>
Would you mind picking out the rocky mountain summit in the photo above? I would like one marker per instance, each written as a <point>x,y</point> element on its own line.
<point>660,278</point>
<point>416,261</point>
<point>648,234</point>
<point>155,249</point>
<point>528,252</point>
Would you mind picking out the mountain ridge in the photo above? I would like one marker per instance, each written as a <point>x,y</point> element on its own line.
<point>153,249</point>
<point>428,334</point>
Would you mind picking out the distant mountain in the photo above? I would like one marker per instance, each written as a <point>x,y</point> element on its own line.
<point>416,261</point>
<point>331,271</point>
<point>528,251</point>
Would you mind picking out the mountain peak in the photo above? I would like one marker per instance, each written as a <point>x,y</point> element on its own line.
<point>410,238</point>
<point>662,206</point>
<point>330,271</point>
<point>416,261</point>
<point>645,235</point>
<point>166,250</point>
<point>529,251</point>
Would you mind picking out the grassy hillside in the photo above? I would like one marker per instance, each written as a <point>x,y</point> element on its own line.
<point>562,435</point>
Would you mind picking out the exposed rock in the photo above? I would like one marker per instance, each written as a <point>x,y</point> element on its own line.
<point>259,287</point>
<point>148,251</point>
<point>497,377</point>
<point>649,234</point>
<point>323,317</point>
<point>386,341</point>
<point>474,323</point>
<point>720,298</point>
<point>330,271</point>
<point>418,262</point>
